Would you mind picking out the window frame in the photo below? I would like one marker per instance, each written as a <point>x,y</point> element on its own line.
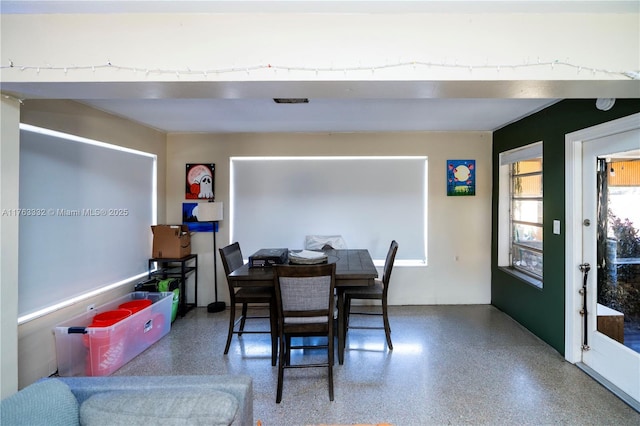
<point>506,243</point>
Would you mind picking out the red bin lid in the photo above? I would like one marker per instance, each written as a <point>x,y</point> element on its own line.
<point>108,318</point>
<point>136,305</point>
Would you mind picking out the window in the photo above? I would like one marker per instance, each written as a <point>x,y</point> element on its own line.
<point>520,212</point>
<point>276,201</point>
<point>85,211</point>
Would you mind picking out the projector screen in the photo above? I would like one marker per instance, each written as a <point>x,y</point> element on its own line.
<point>85,213</point>
<point>369,201</point>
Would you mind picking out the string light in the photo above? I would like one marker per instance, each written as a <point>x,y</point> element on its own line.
<point>633,75</point>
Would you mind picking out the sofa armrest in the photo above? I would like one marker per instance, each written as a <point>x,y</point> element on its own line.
<point>46,402</point>
<point>241,387</point>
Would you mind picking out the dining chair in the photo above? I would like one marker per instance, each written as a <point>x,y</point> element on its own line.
<point>378,291</point>
<point>306,308</point>
<point>231,260</point>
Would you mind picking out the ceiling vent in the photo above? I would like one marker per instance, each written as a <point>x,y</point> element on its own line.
<point>291,100</point>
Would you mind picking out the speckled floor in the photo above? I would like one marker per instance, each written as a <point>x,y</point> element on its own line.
<point>450,365</point>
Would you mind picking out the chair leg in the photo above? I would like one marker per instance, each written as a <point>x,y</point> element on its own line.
<point>387,328</point>
<point>243,319</point>
<point>274,332</point>
<point>347,311</point>
<point>281,362</point>
<point>232,320</point>
<point>330,368</point>
<point>347,314</point>
<point>287,355</point>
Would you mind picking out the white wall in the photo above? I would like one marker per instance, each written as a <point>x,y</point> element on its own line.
<point>457,226</point>
<point>35,344</point>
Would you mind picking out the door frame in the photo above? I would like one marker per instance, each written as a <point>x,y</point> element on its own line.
<point>573,225</point>
<point>574,241</point>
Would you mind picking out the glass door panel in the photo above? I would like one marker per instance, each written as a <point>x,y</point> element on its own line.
<point>611,246</point>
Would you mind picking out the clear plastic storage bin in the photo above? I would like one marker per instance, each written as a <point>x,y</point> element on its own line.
<point>84,349</point>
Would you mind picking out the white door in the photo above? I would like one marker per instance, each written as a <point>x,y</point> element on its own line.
<point>603,349</point>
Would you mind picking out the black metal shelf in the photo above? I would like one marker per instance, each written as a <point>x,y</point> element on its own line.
<point>178,268</point>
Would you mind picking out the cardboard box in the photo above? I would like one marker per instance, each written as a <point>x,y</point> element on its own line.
<point>83,349</point>
<point>171,241</point>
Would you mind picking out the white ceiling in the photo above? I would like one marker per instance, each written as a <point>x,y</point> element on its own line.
<point>232,107</point>
<point>321,115</point>
<point>371,106</point>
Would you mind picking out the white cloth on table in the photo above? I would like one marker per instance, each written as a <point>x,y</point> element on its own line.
<point>318,242</point>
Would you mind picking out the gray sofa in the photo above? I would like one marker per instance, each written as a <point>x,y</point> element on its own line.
<point>132,400</point>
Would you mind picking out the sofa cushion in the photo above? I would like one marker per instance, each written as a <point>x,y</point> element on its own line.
<point>47,402</point>
<point>165,407</point>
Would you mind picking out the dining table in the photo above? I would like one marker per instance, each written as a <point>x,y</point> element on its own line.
<point>354,268</point>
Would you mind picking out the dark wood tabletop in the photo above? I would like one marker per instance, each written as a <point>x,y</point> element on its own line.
<point>354,267</point>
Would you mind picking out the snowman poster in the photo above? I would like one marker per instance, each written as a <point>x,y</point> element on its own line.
<point>200,182</point>
<point>461,177</point>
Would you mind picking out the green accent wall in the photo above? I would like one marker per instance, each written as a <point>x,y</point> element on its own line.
<point>542,310</point>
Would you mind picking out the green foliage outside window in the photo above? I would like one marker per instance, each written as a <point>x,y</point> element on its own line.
<point>621,288</point>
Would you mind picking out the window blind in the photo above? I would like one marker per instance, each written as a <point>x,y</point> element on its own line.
<point>370,201</point>
<point>85,213</point>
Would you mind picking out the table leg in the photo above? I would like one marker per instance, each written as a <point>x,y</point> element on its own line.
<point>341,327</point>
